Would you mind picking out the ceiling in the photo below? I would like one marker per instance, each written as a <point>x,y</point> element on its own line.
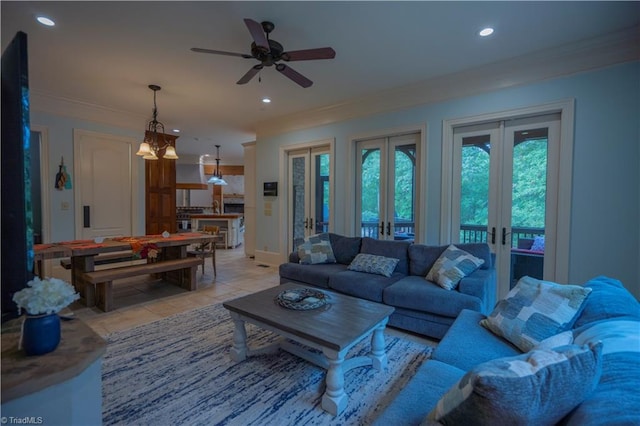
<point>100,57</point>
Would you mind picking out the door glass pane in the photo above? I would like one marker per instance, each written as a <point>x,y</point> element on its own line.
<point>321,217</point>
<point>474,189</point>
<point>370,192</point>
<point>298,166</point>
<point>404,192</point>
<point>528,203</point>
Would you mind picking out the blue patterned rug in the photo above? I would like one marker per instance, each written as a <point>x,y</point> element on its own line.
<point>177,371</point>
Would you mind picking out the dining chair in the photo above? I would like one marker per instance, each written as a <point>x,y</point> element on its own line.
<point>207,249</point>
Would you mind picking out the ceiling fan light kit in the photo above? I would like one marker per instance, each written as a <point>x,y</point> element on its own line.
<point>270,52</point>
<point>154,141</point>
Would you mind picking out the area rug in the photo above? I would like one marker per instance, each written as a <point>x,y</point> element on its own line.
<point>177,371</point>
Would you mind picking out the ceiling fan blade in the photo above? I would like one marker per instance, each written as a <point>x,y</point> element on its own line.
<point>220,52</point>
<point>309,54</point>
<point>294,75</point>
<point>257,33</point>
<point>250,74</point>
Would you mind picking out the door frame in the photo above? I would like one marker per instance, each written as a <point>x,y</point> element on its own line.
<point>566,109</point>
<point>45,198</point>
<point>283,205</point>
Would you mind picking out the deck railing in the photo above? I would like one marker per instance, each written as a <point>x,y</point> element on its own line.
<point>468,233</point>
<point>479,234</point>
<point>401,229</point>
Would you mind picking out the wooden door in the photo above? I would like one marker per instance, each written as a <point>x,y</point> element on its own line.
<point>160,194</point>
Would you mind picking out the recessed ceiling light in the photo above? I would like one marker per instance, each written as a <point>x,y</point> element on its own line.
<point>45,21</point>
<point>176,130</point>
<point>266,100</point>
<point>486,32</point>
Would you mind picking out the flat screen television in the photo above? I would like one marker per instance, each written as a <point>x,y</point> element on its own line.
<point>17,232</point>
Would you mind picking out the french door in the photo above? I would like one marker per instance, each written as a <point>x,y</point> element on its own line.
<point>386,187</point>
<point>505,193</point>
<point>309,192</point>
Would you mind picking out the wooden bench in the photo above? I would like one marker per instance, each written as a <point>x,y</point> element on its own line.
<point>105,259</point>
<point>99,284</point>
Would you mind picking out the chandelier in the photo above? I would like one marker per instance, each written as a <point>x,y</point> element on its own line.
<point>154,140</point>
<point>217,179</point>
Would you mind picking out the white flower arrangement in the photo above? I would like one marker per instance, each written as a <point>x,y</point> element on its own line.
<point>46,296</point>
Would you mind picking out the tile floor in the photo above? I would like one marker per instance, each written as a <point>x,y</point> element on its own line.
<point>141,301</point>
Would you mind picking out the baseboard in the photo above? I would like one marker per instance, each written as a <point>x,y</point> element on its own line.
<point>268,258</point>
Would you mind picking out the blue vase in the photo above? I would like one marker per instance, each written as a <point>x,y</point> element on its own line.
<point>40,333</point>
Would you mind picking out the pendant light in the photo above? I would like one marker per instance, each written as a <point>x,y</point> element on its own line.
<point>154,140</point>
<point>217,179</point>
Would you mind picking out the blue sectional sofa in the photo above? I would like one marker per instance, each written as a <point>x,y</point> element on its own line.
<point>421,306</point>
<point>611,396</point>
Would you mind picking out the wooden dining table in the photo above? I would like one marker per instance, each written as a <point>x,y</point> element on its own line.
<point>83,252</point>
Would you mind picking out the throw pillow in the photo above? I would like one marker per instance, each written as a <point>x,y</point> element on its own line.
<point>372,264</point>
<point>453,265</point>
<point>535,310</point>
<point>539,387</point>
<point>316,249</point>
<point>538,243</point>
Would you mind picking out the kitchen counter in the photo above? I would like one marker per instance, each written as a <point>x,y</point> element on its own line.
<point>231,226</point>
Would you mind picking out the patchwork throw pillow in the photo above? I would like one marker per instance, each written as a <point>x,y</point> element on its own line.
<point>372,264</point>
<point>535,310</point>
<point>316,249</point>
<point>539,387</point>
<point>453,265</point>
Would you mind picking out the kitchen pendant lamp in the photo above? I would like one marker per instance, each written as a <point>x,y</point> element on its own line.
<point>217,179</point>
<point>154,141</point>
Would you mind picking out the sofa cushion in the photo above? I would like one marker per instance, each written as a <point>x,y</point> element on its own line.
<point>617,335</point>
<point>422,257</point>
<point>317,275</point>
<point>534,310</point>
<point>616,400</point>
<point>316,249</point>
<point>372,264</point>
<point>345,249</point>
<point>362,285</point>
<point>415,293</point>
<point>388,248</point>
<point>453,265</point>
<point>608,299</point>
<point>417,397</point>
<point>539,387</point>
<point>468,344</point>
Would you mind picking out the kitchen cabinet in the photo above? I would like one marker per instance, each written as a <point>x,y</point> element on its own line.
<point>233,224</point>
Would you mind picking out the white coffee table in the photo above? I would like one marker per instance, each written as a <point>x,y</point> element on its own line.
<point>332,329</point>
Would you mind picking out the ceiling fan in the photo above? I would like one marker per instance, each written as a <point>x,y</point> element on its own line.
<point>270,52</point>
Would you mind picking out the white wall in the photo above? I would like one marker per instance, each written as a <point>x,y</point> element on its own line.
<point>605,231</point>
<point>60,132</point>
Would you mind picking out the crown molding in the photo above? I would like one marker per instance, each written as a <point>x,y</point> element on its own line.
<point>614,48</point>
<point>57,105</point>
